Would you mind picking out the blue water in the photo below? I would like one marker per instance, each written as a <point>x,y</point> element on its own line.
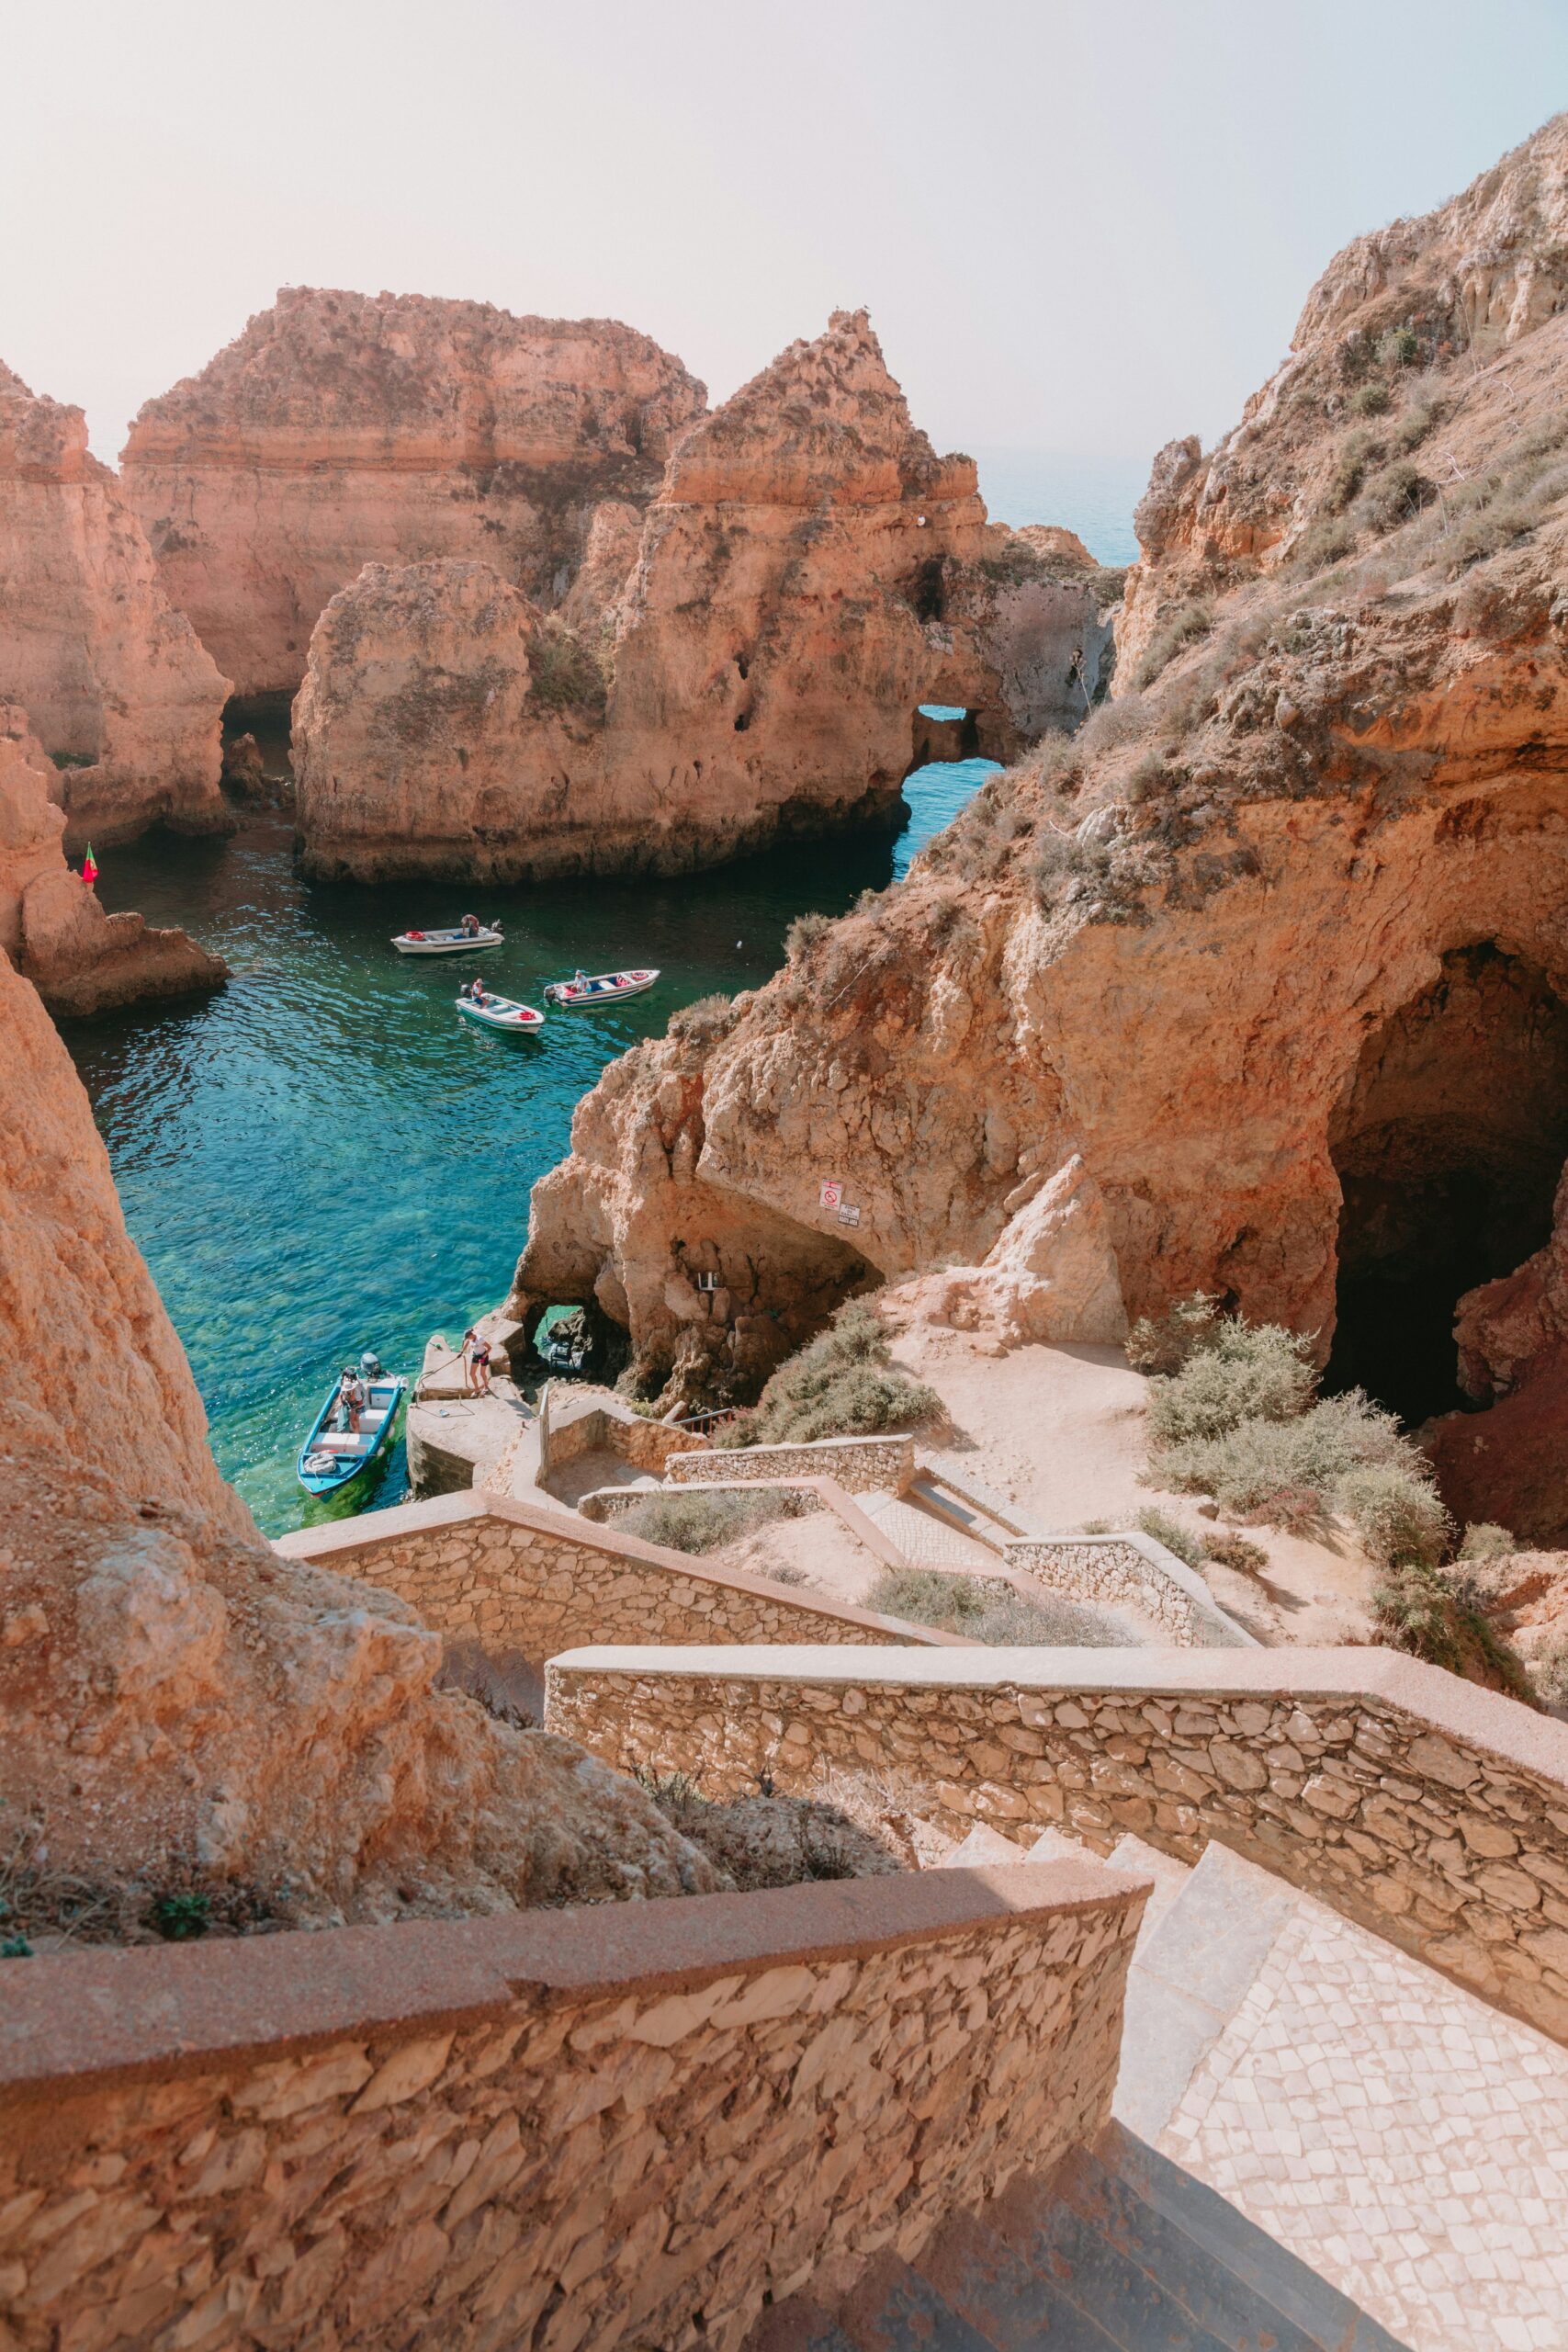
<point>1093,496</point>
<point>324,1157</point>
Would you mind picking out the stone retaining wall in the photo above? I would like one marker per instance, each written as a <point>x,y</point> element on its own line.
<point>518,1578</point>
<point>606,1505</point>
<point>1426,1808</point>
<point>583,1421</point>
<point>861,1464</point>
<point>1130,1570</point>
<point>629,2125</point>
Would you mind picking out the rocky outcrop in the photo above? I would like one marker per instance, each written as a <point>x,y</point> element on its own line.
<point>344,429</point>
<point>809,573</point>
<point>114,684</point>
<point>182,1711</point>
<point>51,925</point>
<point>1269,960</point>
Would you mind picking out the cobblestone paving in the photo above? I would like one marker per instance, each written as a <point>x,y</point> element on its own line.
<point>1396,2133</point>
<point>926,1541</point>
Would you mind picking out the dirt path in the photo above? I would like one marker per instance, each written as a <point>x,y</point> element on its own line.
<point>1061,1432</point>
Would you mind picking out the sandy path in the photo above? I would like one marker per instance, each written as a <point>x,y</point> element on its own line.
<point>1061,1432</point>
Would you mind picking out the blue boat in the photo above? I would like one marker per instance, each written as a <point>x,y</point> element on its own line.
<point>333,1454</point>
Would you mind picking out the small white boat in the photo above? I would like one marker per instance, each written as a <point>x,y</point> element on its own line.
<point>597,988</point>
<point>456,942</point>
<point>500,1012</point>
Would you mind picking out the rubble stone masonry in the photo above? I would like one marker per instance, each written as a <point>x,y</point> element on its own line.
<point>1427,1809</point>
<point>619,2125</point>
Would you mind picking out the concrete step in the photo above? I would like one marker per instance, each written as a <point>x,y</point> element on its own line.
<point>981,2277</point>
<point>956,1510</point>
<point>1234,2310</point>
<point>894,2308</point>
<point>1189,1974</point>
<point>926,1539</point>
<point>1135,2309</point>
<point>968,1489</point>
<point>1302,2297</point>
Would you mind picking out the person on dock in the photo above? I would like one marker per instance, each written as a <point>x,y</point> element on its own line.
<point>477,1351</point>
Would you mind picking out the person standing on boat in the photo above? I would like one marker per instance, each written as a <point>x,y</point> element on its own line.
<point>477,1353</point>
<point>350,1398</point>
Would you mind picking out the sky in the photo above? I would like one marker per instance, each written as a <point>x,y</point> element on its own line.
<point>1080,229</point>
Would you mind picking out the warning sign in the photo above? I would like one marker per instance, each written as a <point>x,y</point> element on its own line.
<point>848,1215</point>
<point>832,1192</point>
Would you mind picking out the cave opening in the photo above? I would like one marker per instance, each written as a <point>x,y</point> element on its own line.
<point>929,597</point>
<point>1449,1145</point>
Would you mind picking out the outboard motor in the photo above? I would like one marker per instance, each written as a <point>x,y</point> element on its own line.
<point>370,1366</point>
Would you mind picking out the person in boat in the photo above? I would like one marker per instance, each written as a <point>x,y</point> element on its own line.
<point>350,1400</point>
<point>469,926</point>
<point>580,980</point>
<point>477,1353</point>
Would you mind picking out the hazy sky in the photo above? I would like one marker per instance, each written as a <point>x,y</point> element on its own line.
<point>1078,228</point>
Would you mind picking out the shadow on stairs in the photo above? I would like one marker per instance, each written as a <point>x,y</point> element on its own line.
<point>1121,2251</point>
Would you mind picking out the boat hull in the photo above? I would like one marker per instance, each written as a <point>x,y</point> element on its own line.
<point>511,1019</point>
<point>340,1467</point>
<point>447,942</point>
<point>604,988</point>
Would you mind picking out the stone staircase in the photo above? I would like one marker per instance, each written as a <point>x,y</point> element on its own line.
<point>1318,2144</point>
<point>1121,2251</point>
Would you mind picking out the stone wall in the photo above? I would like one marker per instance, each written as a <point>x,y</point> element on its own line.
<point>1426,1808</point>
<point>580,1421</point>
<point>861,1464</point>
<point>515,1578</point>
<point>609,1504</point>
<point>622,2126</point>
<point>1131,1571</point>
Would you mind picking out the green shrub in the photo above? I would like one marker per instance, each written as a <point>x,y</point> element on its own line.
<point>842,1383</point>
<point>1400,347</point>
<point>703,1022</point>
<point>804,933</point>
<point>180,1917</point>
<point>1328,541</point>
<point>1395,1511</point>
<point>1233,1551</point>
<point>1172,1535</point>
<point>1162,1343</point>
<point>1392,497</point>
<point>690,1519</point>
<point>1428,1614</point>
<point>563,672</point>
<point>1372,400</point>
<point>1245,1371</point>
<point>1288,1471</point>
<point>1356,453</point>
<point>1179,627</point>
<point>986,1609</point>
<point>1485,1540</point>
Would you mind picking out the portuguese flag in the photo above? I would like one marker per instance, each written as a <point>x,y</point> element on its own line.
<point>89,868</point>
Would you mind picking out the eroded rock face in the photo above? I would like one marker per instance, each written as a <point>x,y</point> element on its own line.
<point>344,429</point>
<point>114,685</point>
<point>1262,964</point>
<point>810,574</point>
<point>51,925</point>
<point>181,1708</point>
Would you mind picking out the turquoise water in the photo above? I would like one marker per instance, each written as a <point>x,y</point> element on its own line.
<point>324,1157</point>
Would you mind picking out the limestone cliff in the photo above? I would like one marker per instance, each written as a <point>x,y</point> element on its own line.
<point>809,573</point>
<point>342,429</point>
<point>51,925</point>
<point>181,1709</point>
<point>1258,983</point>
<point>114,685</point>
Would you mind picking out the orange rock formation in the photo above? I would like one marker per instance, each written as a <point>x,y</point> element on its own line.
<point>344,429</point>
<point>180,1707</point>
<point>51,925</point>
<point>113,680</point>
<point>809,573</point>
<point>1261,982</point>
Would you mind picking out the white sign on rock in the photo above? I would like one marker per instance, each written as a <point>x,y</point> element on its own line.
<point>832,1192</point>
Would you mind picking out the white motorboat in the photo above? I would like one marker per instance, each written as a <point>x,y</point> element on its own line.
<point>597,988</point>
<point>456,941</point>
<point>500,1012</point>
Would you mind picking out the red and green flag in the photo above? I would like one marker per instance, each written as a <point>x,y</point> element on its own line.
<point>89,868</point>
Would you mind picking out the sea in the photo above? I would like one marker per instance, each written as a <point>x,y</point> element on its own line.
<point>322,1157</point>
